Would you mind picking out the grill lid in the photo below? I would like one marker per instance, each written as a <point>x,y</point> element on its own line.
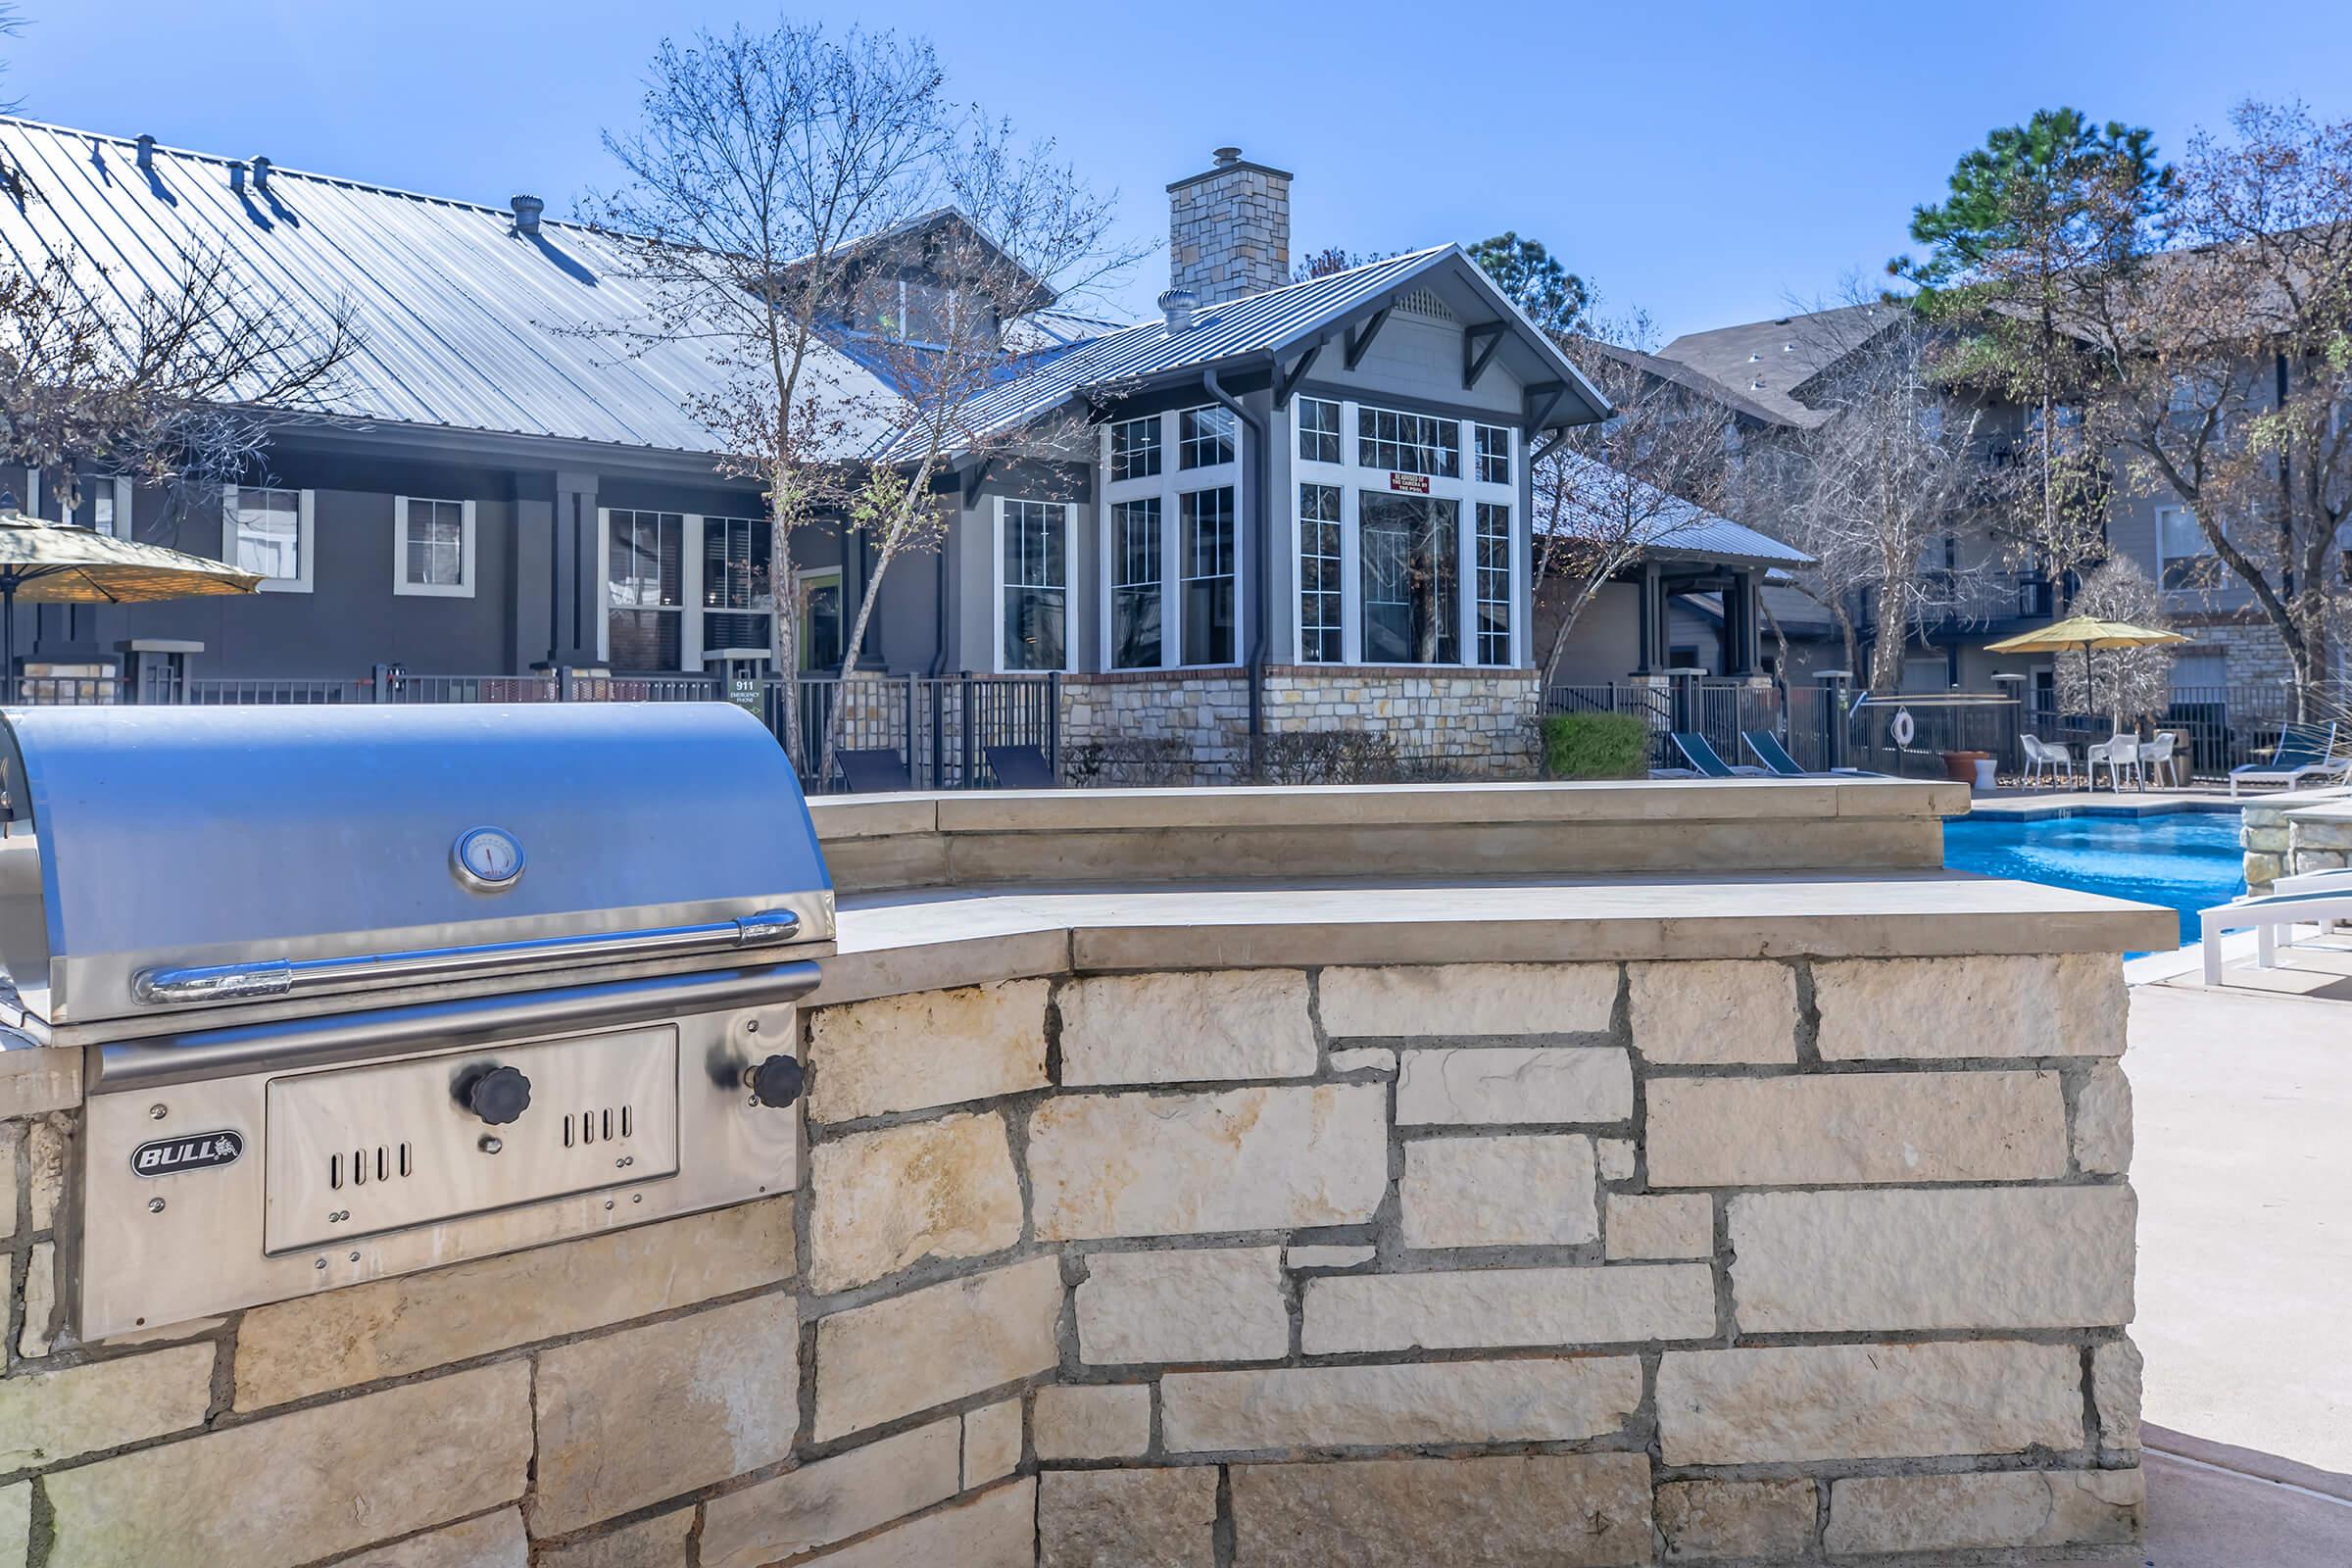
<point>286,841</point>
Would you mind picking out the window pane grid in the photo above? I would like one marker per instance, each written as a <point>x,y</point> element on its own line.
<point>1318,430</point>
<point>1209,579</point>
<point>436,552</point>
<point>1135,449</point>
<point>1036,586</point>
<point>1494,584</point>
<point>270,532</point>
<point>1134,571</point>
<point>1407,443</point>
<point>1319,582</point>
<point>1205,437</point>
<point>1493,454</point>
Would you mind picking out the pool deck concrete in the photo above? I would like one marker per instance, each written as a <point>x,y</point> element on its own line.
<point>2243,1099</point>
<point>2030,806</point>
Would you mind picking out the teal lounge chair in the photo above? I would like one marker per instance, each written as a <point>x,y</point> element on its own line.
<point>2305,751</point>
<point>1701,755</point>
<point>1768,750</point>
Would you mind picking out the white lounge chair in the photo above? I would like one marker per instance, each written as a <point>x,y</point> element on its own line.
<point>2268,916</point>
<point>2047,758</point>
<point>2165,762</point>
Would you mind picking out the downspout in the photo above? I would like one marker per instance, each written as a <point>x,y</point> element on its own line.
<point>1261,599</point>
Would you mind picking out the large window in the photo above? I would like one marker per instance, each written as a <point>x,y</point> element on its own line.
<point>1035,578</point>
<point>1135,449</point>
<point>1208,547</point>
<point>268,532</point>
<point>644,589</point>
<point>1408,443</point>
<point>737,593</point>
<point>1411,601</point>
<point>1493,541</point>
<point>1321,628</point>
<point>1318,430</point>
<point>1205,437</point>
<point>2185,555</point>
<point>433,548</point>
<point>1134,585</point>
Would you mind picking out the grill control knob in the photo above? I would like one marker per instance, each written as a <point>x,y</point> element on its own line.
<point>775,1083</point>
<point>497,1095</point>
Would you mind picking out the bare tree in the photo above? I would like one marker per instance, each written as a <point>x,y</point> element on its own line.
<point>1606,494</point>
<point>1887,475</point>
<point>2229,363</point>
<point>844,241</point>
<point>2128,683</point>
<point>174,384</point>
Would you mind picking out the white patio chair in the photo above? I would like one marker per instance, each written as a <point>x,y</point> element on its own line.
<point>2047,758</point>
<point>2163,761</point>
<point>2117,752</point>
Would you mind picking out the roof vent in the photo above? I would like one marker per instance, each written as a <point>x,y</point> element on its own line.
<point>147,152</point>
<point>260,173</point>
<point>1780,320</point>
<point>1757,385</point>
<point>1227,157</point>
<point>1176,304</point>
<point>526,210</point>
<point>1753,358</point>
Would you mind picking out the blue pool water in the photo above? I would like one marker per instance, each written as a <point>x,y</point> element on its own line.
<point>2189,860</point>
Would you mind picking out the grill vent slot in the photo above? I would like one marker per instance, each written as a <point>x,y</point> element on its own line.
<point>383,1163</point>
<point>597,1125</point>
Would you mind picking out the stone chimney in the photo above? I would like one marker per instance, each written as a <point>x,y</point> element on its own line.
<point>1229,231</point>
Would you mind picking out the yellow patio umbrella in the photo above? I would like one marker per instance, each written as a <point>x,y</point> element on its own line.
<point>61,563</point>
<point>2085,633</point>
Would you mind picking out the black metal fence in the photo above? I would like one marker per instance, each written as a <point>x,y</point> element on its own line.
<point>940,728</point>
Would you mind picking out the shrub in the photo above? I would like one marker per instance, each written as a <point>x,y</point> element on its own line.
<point>1595,746</point>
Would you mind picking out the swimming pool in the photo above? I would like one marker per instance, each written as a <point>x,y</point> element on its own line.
<point>2189,860</point>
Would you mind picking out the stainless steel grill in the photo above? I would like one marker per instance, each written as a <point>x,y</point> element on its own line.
<point>359,991</point>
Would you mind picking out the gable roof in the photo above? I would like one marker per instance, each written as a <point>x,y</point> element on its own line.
<point>466,324</point>
<point>1768,363</point>
<point>1674,529</point>
<point>1690,379</point>
<point>1271,323</point>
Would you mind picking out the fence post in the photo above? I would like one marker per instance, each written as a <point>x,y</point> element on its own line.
<point>566,689</point>
<point>1053,722</point>
<point>914,770</point>
<point>963,779</point>
<point>383,683</point>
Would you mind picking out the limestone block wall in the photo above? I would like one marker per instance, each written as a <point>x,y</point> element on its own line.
<point>1600,1263</point>
<point>2307,830</point>
<point>1471,723</point>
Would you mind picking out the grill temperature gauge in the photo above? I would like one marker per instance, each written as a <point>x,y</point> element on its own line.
<point>487,860</point>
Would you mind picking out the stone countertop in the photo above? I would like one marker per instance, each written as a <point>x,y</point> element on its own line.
<point>841,818</point>
<point>894,943</point>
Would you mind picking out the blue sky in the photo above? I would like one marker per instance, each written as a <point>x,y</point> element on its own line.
<point>1705,162</point>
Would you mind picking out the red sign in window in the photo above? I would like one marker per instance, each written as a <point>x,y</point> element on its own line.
<point>1411,484</point>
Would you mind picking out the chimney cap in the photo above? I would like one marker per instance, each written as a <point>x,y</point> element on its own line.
<point>1176,306</point>
<point>1226,155</point>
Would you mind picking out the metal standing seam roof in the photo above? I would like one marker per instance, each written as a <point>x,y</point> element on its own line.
<point>463,321</point>
<point>1677,528</point>
<point>1255,325</point>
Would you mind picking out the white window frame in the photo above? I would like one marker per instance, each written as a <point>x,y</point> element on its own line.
<point>305,537</point>
<point>400,585</point>
<point>1069,586</point>
<point>1171,484</point>
<point>118,497</point>
<point>1466,490</point>
<point>690,588</point>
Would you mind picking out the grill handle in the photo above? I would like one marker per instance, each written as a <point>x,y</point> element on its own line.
<point>279,977</point>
